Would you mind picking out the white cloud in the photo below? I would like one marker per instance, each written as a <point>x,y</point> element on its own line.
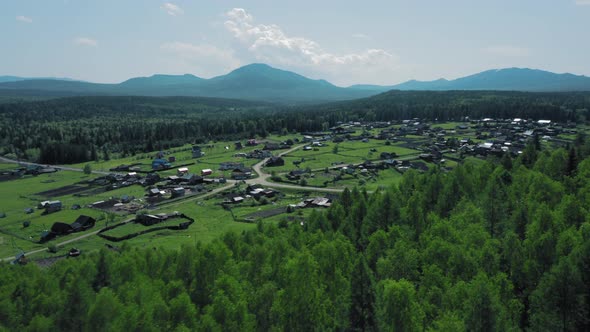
<point>360,36</point>
<point>83,41</point>
<point>582,2</point>
<point>201,59</point>
<point>24,19</point>
<point>172,9</point>
<point>508,51</point>
<point>269,43</point>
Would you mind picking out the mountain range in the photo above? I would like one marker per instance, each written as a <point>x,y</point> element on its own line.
<point>265,83</point>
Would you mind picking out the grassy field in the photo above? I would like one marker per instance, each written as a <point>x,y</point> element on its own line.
<point>215,153</point>
<point>354,152</point>
<point>211,219</point>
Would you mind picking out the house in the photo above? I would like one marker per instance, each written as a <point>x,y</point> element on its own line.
<point>191,179</point>
<point>259,154</point>
<point>348,169</point>
<point>241,173</point>
<point>120,168</point>
<point>315,202</point>
<point>20,259</point>
<point>182,171</point>
<point>51,206</point>
<point>426,157</point>
<point>251,142</point>
<point>295,175</point>
<point>268,193</point>
<point>388,155</point>
<point>368,165</point>
<point>258,192</point>
<point>82,223</point>
<point>271,146</point>
<point>150,219</point>
<point>464,141</point>
<point>274,161</point>
<point>532,132</point>
<point>238,145</point>
<point>150,179</point>
<point>237,199</point>
<point>172,159</point>
<point>233,198</point>
<point>229,165</point>
<point>178,192</point>
<point>160,163</point>
<point>206,171</point>
<point>173,179</point>
<point>59,228</point>
<point>38,169</point>
<point>197,153</point>
<point>154,192</point>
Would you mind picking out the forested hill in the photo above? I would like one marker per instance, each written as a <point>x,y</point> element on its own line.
<point>507,79</point>
<point>449,105</point>
<point>262,82</point>
<point>251,82</point>
<point>490,246</point>
<point>65,130</point>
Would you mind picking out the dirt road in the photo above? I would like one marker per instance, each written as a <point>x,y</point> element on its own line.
<point>65,168</point>
<point>262,179</point>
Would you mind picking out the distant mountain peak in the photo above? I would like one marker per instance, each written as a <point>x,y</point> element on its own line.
<point>505,79</point>
<point>259,81</point>
<point>161,79</point>
<point>258,68</point>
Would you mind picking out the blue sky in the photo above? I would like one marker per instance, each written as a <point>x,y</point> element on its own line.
<point>345,42</point>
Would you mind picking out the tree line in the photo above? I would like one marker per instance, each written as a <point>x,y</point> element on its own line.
<point>73,130</point>
<point>500,245</point>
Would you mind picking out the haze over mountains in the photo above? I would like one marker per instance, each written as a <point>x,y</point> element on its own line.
<point>265,83</point>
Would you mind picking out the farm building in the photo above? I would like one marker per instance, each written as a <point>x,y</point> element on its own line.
<point>155,192</point>
<point>178,192</point>
<point>241,173</point>
<point>274,161</point>
<point>160,164</point>
<point>229,165</point>
<point>59,228</point>
<point>315,202</point>
<point>50,206</point>
<point>197,153</point>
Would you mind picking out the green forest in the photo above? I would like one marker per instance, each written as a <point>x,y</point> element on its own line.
<point>80,129</point>
<point>495,245</point>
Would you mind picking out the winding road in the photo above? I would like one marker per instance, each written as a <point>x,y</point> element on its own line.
<point>65,168</point>
<point>262,179</point>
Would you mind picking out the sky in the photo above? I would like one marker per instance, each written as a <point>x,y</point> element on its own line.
<point>345,42</point>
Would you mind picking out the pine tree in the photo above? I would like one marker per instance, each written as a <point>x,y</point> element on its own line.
<point>362,310</point>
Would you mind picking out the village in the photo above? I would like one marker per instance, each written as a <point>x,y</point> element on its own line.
<point>276,179</point>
